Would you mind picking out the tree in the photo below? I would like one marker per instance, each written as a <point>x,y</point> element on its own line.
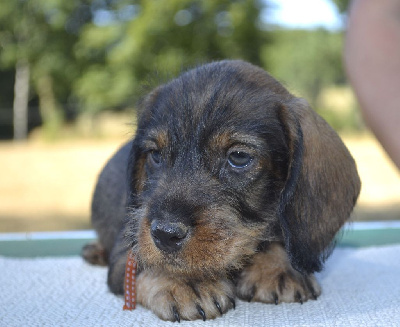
<point>98,54</point>
<point>37,36</point>
<point>307,61</point>
<point>21,97</point>
<point>123,52</point>
<point>342,5</point>
<point>13,34</point>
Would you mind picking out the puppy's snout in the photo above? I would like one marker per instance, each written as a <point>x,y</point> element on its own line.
<point>169,236</point>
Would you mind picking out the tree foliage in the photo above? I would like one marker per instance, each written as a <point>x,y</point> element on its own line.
<point>163,37</point>
<point>98,54</point>
<point>42,33</point>
<point>306,61</point>
<point>342,5</point>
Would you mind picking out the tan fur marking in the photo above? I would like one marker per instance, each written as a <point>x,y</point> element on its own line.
<point>271,279</point>
<point>168,296</point>
<point>146,252</point>
<point>221,141</point>
<point>219,243</point>
<point>140,173</point>
<point>162,139</point>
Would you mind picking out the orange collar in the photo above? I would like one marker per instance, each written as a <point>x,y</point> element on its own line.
<point>130,282</point>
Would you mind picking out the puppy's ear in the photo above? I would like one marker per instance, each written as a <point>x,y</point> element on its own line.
<point>136,164</point>
<point>321,187</point>
<point>136,170</point>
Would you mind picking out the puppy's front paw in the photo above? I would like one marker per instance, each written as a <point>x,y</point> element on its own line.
<point>271,279</point>
<point>174,299</point>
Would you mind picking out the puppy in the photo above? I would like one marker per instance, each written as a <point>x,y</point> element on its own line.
<point>232,188</point>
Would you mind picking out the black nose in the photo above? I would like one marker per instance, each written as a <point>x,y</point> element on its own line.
<point>168,236</point>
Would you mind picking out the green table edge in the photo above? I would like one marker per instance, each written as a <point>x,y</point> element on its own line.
<point>58,244</point>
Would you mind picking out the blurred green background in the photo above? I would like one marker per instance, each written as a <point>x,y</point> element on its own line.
<point>72,71</point>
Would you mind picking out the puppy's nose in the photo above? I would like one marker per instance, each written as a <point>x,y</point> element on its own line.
<point>168,236</point>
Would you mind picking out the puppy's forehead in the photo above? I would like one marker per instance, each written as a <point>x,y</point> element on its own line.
<point>225,99</point>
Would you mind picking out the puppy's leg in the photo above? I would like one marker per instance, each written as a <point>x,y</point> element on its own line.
<point>271,279</point>
<point>108,207</point>
<point>95,254</point>
<point>174,298</point>
<point>117,264</point>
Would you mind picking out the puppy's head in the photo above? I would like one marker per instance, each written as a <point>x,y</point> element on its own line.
<point>225,158</point>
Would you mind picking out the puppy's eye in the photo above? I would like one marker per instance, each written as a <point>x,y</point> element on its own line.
<point>155,157</point>
<point>238,159</point>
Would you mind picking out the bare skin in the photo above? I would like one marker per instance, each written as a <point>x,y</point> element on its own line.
<point>372,59</point>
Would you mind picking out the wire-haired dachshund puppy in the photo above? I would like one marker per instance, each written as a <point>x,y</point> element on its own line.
<point>232,188</point>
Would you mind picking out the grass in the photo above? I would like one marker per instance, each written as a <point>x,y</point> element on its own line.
<point>48,186</point>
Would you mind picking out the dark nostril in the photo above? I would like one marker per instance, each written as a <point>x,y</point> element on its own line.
<point>168,237</point>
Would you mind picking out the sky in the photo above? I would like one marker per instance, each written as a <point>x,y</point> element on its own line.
<point>287,13</point>
<point>304,14</point>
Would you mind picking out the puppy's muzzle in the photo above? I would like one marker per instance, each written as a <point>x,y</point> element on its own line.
<point>169,236</point>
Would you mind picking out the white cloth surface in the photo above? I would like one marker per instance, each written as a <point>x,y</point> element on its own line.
<point>360,287</point>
